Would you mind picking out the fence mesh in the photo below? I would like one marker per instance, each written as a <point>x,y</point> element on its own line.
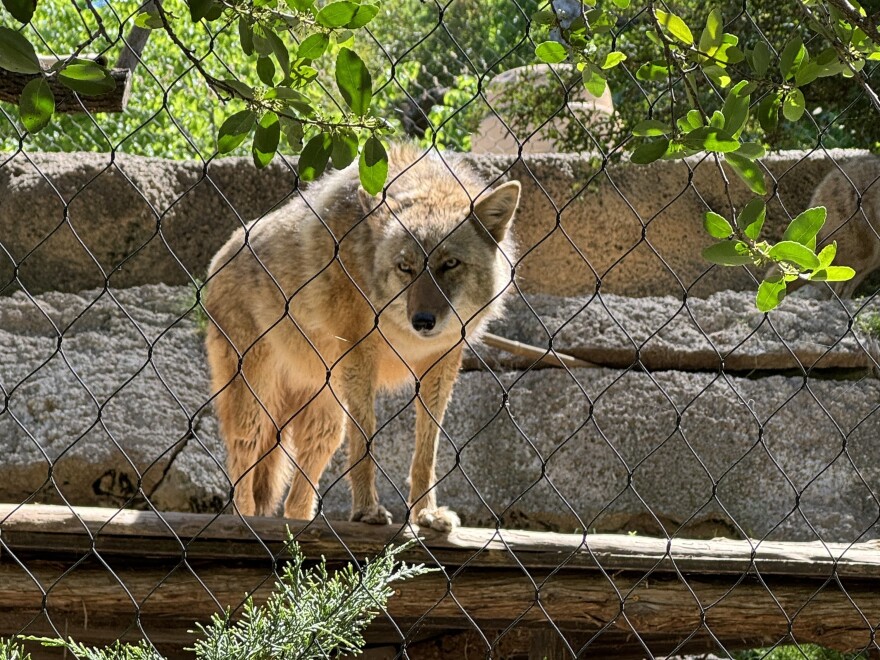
<point>655,400</point>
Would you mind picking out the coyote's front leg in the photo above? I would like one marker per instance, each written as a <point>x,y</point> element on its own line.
<point>358,383</point>
<point>435,391</point>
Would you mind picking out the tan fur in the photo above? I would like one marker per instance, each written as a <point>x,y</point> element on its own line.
<point>302,340</point>
<point>852,224</point>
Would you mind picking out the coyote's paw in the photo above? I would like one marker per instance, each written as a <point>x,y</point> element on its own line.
<point>375,514</point>
<point>440,519</point>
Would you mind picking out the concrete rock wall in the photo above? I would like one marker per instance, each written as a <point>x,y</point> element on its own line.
<point>682,429</point>
<point>120,409</point>
<point>70,221</point>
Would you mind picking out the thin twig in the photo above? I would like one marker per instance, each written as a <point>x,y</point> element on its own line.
<point>542,355</point>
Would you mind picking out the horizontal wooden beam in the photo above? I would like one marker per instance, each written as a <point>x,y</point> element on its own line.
<point>209,536</point>
<point>99,574</point>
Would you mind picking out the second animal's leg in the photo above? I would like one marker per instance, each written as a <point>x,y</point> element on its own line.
<point>315,433</point>
<point>434,394</point>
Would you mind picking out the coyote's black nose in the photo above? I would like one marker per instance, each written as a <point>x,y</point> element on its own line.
<point>423,321</point>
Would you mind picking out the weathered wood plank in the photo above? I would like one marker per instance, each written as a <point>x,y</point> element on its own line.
<point>173,535</point>
<point>165,602</point>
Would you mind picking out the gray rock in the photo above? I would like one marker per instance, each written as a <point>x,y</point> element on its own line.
<point>667,333</point>
<point>134,220</point>
<point>118,412</point>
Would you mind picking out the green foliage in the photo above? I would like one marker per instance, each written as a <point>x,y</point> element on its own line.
<point>246,54</point>
<point>11,649</point>
<point>716,78</point>
<point>794,257</point>
<point>795,652</point>
<point>311,613</point>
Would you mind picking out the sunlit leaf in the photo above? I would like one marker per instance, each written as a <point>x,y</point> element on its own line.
<point>37,105</point>
<point>751,218</point>
<point>373,165</point>
<point>266,138</point>
<point>716,225</point>
<point>551,52</point>
<point>87,78</point>
<point>234,130</point>
<point>770,294</point>
<point>314,157</point>
<point>353,80</point>
<point>674,26</point>
<point>728,253</point>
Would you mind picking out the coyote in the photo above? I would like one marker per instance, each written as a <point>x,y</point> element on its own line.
<point>336,296</point>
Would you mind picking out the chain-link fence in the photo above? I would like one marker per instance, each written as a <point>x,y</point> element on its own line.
<point>189,342</point>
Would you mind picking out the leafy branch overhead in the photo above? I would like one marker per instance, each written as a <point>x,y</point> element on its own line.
<point>713,95</point>
<point>281,41</point>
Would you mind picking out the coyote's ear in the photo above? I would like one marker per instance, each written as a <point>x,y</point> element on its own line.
<point>495,210</point>
<point>370,202</point>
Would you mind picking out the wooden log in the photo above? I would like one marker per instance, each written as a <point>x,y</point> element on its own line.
<point>122,600</point>
<point>102,573</point>
<point>146,534</point>
<point>66,101</point>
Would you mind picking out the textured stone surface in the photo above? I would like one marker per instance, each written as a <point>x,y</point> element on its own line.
<point>666,333</point>
<point>125,393</point>
<point>141,220</point>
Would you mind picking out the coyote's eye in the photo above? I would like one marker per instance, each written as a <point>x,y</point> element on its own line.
<point>405,268</point>
<point>449,264</point>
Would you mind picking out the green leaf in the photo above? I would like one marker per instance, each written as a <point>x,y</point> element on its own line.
<point>761,57</point>
<point>748,171</point>
<point>245,36</point>
<point>807,73</point>
<point>148,21</point>
<point>207,9</point>
<point>345,149</point>
<point>711,139</point>
<point>87,78</point>
<point>279,50</point>
<point>653,71</point>
<point>833,274</point>
<point>301,5</point>
<point>21,10</point>
<point>593,81</point>
<point>16,52</point>
<point>244,90</point>
<point>314,156</point>
<point>353,80</point>
<point>770,294</point>
<point>728,253</point>
<point>551,52</point>
<point>717,75</point>
<point>266,70</point>
<point>750,150</point>
<point>751,218</point>
<point>736,109</point>
<point>292,98</point>
<point>313,46</point>
<point>612,59</point>
<point>261,42</point>
<point>794,105</point>
<point>648,152</point>
<point>713,34</point>
<point>293,131</point>
<point>373,165</point>
<point>650,128</point>
<point>716,225</point>
<point>794,253</point>
<point>621,4</point>
<point>363,15</point>
<point>37,105</point>
<point>266,139</point>
<point>336,14</point>
<point>826,256</point>
<point>805,227</point>
<point>235,130</point>
<point>768,111</point>
<point>791,57</point>
<point>676,27</point>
